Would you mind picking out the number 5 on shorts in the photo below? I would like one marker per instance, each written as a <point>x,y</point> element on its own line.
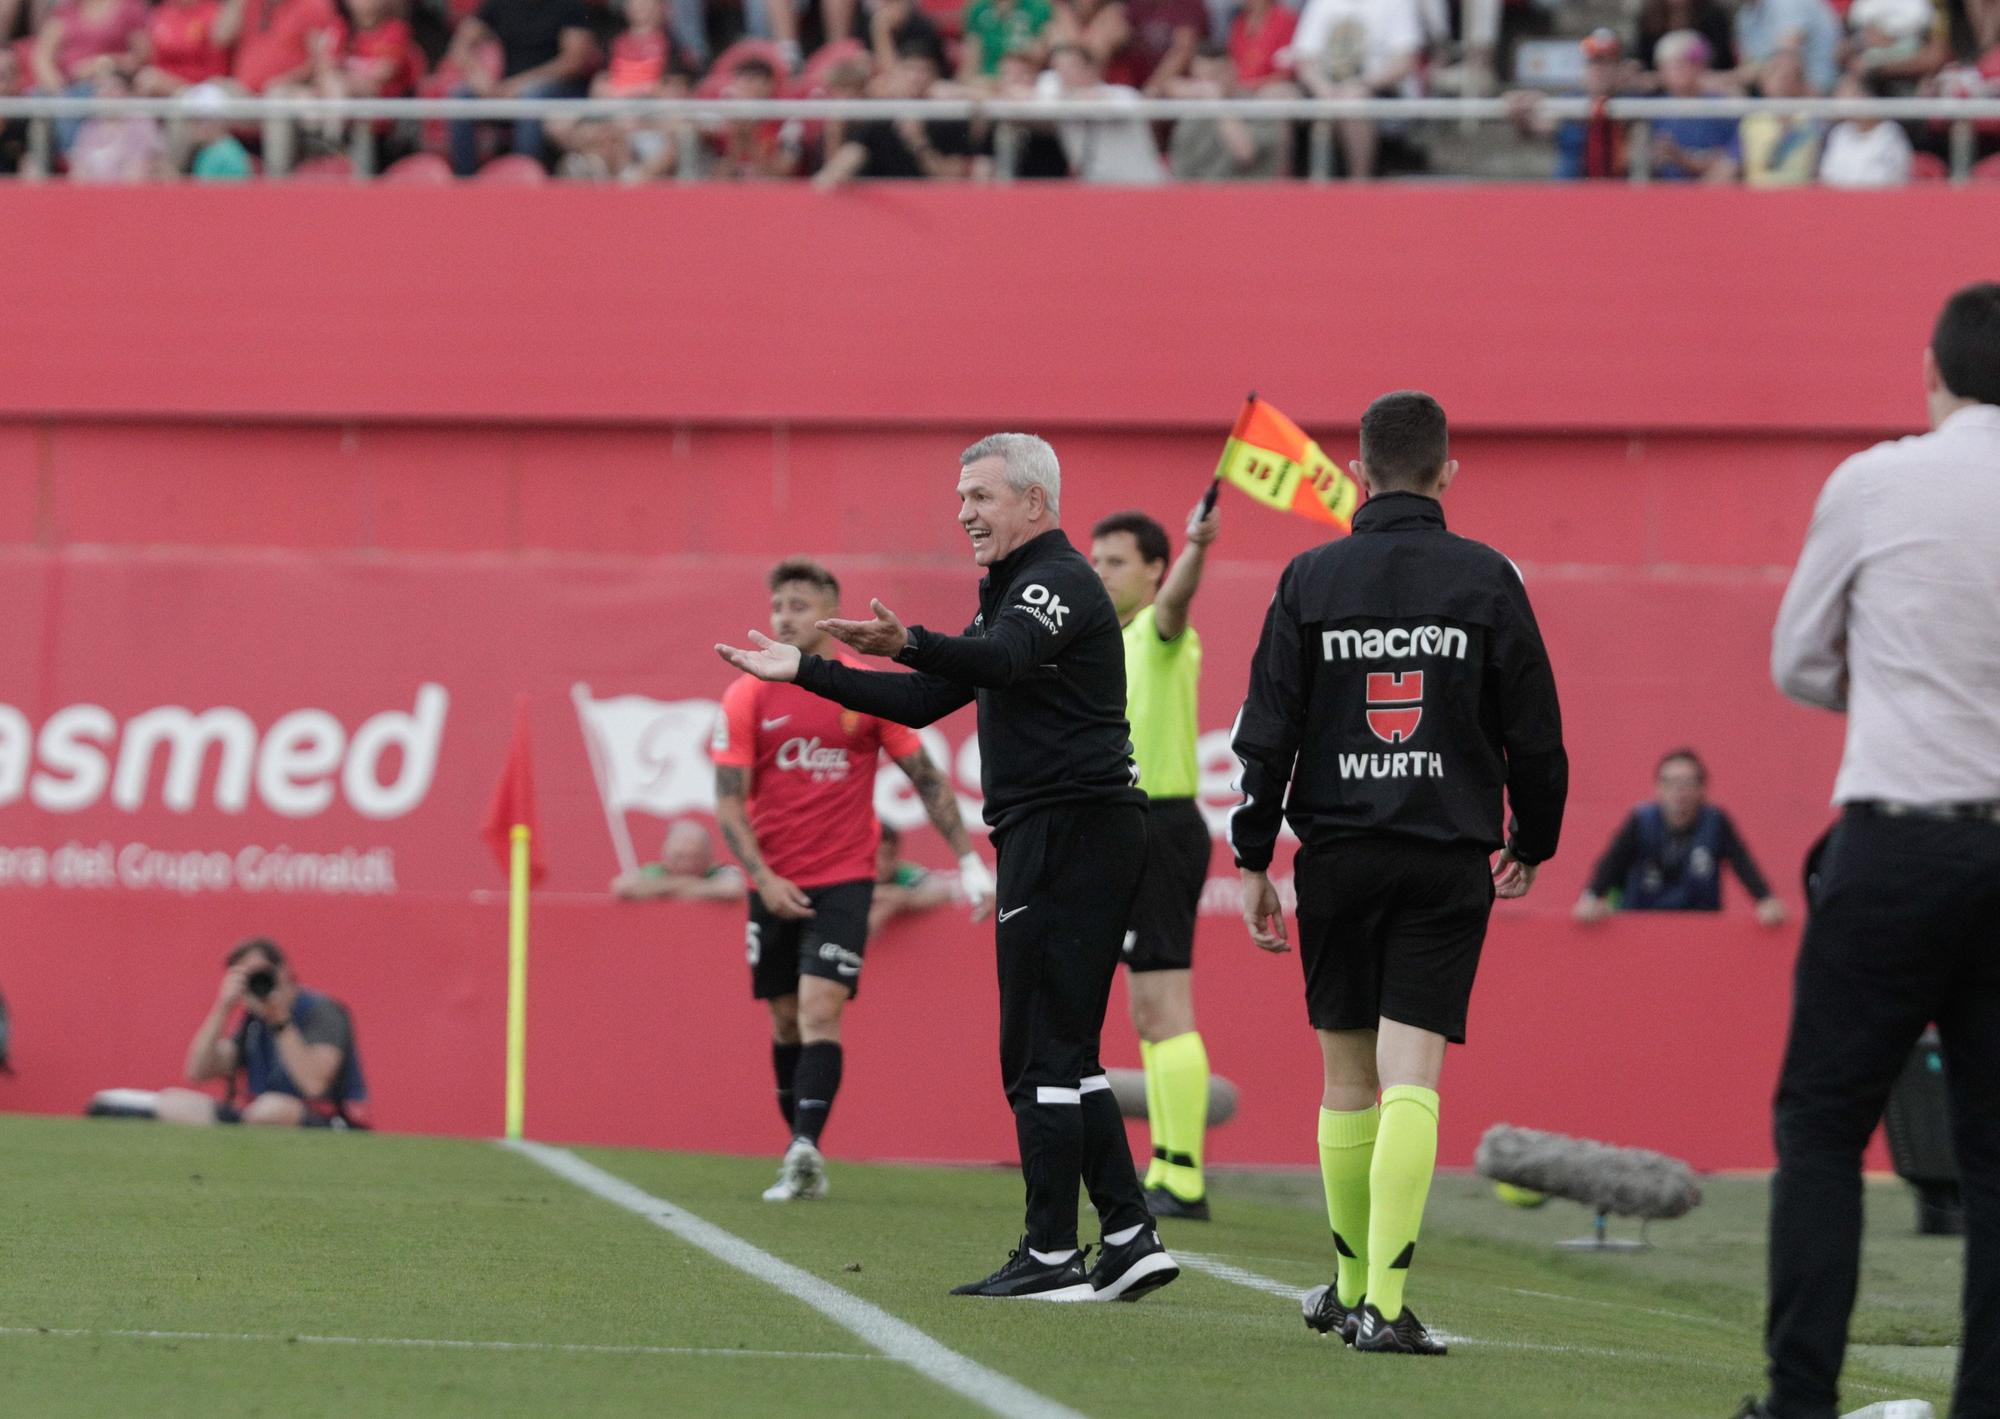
<point>753,942</point>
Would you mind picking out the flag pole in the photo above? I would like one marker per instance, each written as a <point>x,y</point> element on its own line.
<point>517,979</point>
<point>1215,481</point>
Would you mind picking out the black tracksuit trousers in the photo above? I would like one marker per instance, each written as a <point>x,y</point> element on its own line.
<point>1068,877</point>
<point>1905,930</point>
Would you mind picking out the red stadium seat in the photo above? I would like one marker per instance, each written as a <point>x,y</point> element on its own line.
<point>1987,169</point>
<point>514,169</point>
<point>723,69</point>
<point>811,80</point>
<point>419,170</point>
<point>332,168</point>
<point>1929,167</point>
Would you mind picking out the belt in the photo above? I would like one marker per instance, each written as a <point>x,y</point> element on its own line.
<point>1984,812</point>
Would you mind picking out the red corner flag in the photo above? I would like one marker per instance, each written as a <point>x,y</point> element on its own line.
<point>514,803</point>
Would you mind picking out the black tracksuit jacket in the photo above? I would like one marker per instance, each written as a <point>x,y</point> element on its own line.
<point>1046,660</point>
<point>1399,686</point>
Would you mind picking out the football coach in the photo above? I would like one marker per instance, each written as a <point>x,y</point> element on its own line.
<point>1045,660</point>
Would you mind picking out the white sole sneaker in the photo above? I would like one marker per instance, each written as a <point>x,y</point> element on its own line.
<point>1895,1409</point>
<point>801,1177</point>
<point>1148,1273</point>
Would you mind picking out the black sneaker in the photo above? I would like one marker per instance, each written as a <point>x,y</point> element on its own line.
<point>1405,1335</point>
<point>1127,1272</point>
<point>1325,1314</point>
<point>1162,1203</point>
<point>1025,1279</point>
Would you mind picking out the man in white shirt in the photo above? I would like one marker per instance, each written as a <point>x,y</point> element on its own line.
<point>1110,150</point>
<point>1358,49</point>
<point>1864,152</point>
<point>1893,615</point>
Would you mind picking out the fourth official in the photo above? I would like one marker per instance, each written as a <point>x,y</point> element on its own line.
<point>1399,688</point>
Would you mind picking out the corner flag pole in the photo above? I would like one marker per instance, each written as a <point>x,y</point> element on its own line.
<point>517,978</point>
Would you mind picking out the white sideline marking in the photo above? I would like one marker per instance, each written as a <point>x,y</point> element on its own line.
<point>1226,1271</point>
<point>1621,1306</point>
<point>408,1343</point>
<point>896,1339</point>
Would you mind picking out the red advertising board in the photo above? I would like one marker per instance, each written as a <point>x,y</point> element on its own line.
<point>280,550</point>
<point>197,748</point>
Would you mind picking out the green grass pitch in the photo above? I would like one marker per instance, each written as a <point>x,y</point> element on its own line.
<point>150,1271</point>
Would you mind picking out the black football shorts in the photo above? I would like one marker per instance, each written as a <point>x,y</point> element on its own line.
<point>828,943</point>
<point>1391,928</point>
<point>1160,936</point>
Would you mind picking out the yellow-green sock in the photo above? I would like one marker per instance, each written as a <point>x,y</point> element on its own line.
<point>1398,1183</point>
<point>1181,1066</point>
<point>1155,1117</point>
<point>1346,1148</point>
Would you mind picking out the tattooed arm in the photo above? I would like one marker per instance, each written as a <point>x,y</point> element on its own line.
<point>941,803</point>
<point>781,897</point>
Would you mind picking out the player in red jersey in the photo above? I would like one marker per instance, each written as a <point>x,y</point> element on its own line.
<point>795,799</point>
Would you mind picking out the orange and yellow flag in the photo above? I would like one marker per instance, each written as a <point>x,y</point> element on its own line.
<point>1270,458</point>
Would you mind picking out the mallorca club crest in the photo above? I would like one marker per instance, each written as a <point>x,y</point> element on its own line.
<point>1395,705</point>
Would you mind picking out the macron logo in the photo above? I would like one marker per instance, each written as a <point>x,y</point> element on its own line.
<point>1396,643</point>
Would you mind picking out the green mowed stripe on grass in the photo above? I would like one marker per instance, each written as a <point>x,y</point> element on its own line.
<point>1674,1332</point>
<point>128,1226</point>
<point>138,1227</point>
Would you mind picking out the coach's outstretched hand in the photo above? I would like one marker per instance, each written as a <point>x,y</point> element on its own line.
<point>1263,912</point>
<point>882,636</point>
<point>772,660</point>
<point>1511,876</point>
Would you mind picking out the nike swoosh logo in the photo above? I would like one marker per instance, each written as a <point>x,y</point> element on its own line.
<point>1015,912</point>
<point>774,723</point>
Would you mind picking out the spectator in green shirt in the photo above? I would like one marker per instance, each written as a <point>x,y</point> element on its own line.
<point>218,156</point>
<point>687,870</point>
<point>996,28</point>
<point>901,887</point>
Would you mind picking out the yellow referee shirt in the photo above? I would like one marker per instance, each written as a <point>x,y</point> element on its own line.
<point>1161,678</point>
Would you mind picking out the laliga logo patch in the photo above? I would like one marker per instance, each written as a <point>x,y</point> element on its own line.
<point>1395,726</point>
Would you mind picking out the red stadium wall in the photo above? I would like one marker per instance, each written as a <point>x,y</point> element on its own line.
<point>382,449</point>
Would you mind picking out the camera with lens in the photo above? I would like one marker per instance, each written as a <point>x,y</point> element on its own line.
<point>261,983</point>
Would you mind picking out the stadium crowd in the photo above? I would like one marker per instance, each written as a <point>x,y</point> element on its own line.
<point>1106,51</point>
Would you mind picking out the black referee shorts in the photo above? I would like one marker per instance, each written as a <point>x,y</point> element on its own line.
<point>1161,935</point>
<point>1391,928</point>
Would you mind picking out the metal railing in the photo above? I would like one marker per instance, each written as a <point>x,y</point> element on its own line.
<point>1007,116</point>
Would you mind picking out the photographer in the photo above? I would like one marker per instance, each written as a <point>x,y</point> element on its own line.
<point>293,1048</point>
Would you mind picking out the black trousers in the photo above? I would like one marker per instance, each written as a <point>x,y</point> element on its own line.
<point>1905,929</point>
<point>1068,877</point>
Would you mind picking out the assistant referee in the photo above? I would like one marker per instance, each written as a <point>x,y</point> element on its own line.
<point>1399,687</point>
<point>1045,660</point>
<point>1162,683</point>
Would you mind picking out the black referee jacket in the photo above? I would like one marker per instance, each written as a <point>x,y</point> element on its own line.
<point>1046,660</point>
<point>1400,685</point>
